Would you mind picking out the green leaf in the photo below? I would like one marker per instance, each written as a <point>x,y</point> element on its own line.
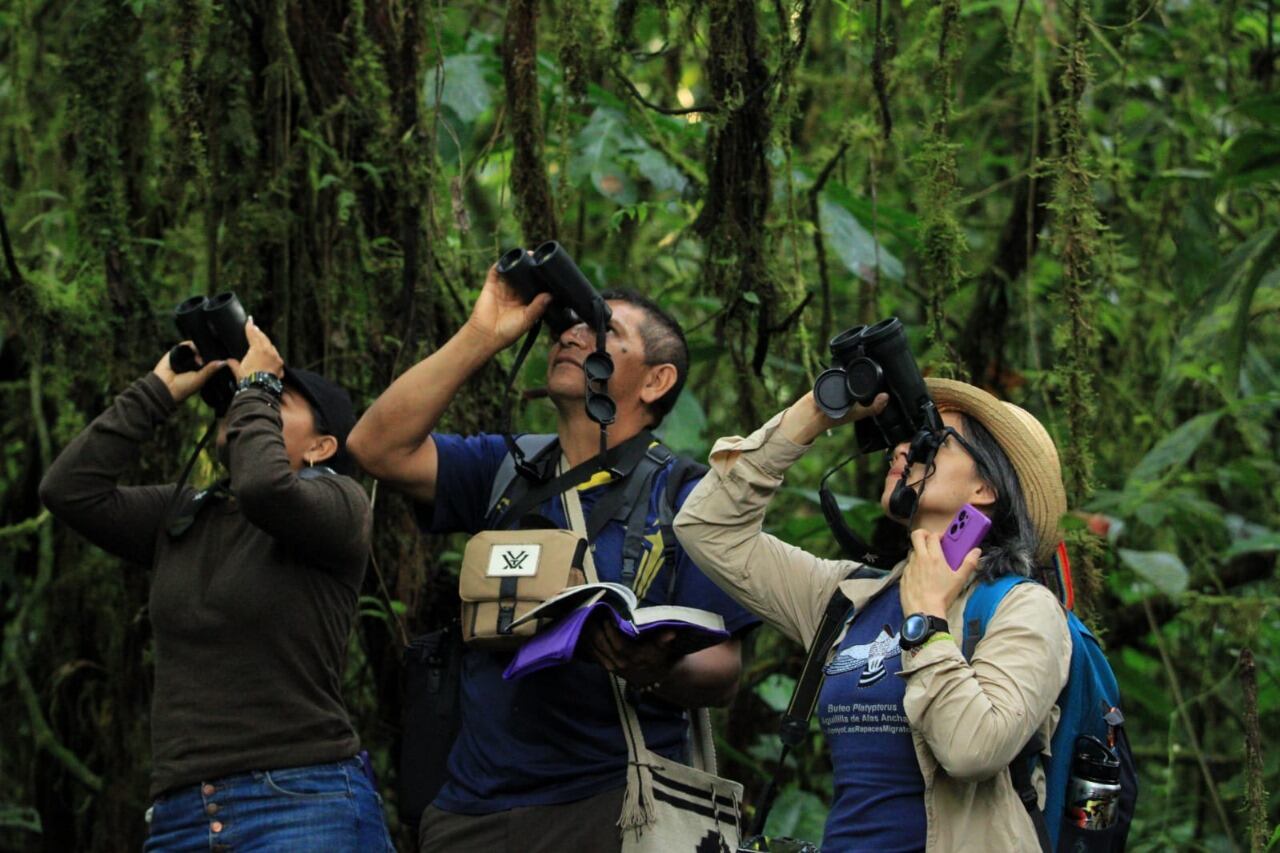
<point>1267,257</point>
<point>1252,157</point>
<point>775,691</point>
<point>657,170</point>
<point>13,816</point>
<point>903,225</point>
<point>1264,109</point>
<point>797,814</point>
<point>1175,449</point>
<point>598,156</point>
<point>845,502</point>
<point>1253,545</point>
<point>684,429</point>
<point>465,90</point>
<point>854,245</point>
<point>1165,571</point>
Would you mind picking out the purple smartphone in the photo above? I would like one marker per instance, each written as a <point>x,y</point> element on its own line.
<point>967,530</point>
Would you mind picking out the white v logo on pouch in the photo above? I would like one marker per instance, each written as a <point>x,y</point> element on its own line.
<point>513,561</point>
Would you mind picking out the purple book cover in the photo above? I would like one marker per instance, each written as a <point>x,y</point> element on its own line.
<point>555,644</point>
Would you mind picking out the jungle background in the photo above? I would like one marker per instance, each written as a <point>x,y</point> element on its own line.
<point>1074,204</point>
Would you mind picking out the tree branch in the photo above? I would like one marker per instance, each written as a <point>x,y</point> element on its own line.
<point>45,738</point>
<point>879,79</point>
<point>15,279</point>
<point>1127,626</point>
<point>1175,687</point>
<point>23,528</point>
<point>709,109</point>
<point>819,240</point>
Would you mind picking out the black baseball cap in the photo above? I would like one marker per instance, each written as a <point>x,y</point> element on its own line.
<point>335,415</point>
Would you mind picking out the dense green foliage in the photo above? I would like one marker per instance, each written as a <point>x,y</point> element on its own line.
<point>1076,204</point>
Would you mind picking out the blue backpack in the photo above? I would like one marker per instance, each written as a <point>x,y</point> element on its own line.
<point>1090,707</point>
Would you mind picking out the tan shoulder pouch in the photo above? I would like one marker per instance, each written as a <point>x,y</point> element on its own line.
<point>507,573</point>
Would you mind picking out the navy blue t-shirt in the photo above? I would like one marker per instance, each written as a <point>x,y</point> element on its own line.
<point>554,736</point>
<point>879,792</point>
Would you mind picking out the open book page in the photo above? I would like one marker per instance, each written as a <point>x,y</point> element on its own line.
<point>676,615</point>
<point>556,643</point>
<point>583,595</point>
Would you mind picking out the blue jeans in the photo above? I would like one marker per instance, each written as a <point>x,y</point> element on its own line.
<point>330,807</point>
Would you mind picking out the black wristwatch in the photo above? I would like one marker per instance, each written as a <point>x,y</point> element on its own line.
<point>918,628</point>
<point>268,382</point>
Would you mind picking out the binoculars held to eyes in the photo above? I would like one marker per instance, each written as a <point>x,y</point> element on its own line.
<point>867,360</point>
<point>550,269</point>
<point>573,300</point>
<point>215,324</point>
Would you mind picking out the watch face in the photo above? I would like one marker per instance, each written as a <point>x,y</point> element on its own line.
<point>914,628</point>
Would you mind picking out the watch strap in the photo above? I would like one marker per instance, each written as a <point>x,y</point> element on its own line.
<point>934,625</point>
<point>263,380</point>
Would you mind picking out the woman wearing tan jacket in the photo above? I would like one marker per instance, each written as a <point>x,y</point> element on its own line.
<point>962,721</point>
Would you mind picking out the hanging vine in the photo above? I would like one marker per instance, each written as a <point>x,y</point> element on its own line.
<point>1075,241</point>
<point>943,241</point>
<point>793,24</point>
<point>105,74</point>
<point>535,207</point>
<point>1076,244</point>
<point>732,219</point>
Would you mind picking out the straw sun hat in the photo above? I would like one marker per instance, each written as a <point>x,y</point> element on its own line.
<point>1028,447</point>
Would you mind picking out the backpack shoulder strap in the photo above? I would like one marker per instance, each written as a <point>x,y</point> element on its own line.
<point>982,605</point>
<point>533,447</point>
<point>682,471</point>
<point>635,504</point>
<point>978,611</point>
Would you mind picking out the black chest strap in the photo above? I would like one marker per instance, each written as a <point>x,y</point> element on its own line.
<point>634,465</point>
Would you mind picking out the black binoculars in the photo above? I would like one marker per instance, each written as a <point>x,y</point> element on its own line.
<point>550,269</point>
<point>215,325</point>
<point>867,360</point>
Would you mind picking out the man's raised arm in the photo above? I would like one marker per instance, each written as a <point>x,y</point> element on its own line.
<point>392,441</point>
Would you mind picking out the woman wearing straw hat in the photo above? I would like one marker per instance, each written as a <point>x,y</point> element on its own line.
<point>921,738</point>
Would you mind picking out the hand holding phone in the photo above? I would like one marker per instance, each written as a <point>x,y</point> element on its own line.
<point>965,532</point>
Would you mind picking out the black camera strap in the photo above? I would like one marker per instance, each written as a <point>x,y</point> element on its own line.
<point>794,726</point>
<point>619,461</point>
<point>179,525</point>
<point>523,466</point>
<point>851,544</point>
<point>795,721</point>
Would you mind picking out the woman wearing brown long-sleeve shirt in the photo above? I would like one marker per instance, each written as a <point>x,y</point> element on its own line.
<point>254,588</point>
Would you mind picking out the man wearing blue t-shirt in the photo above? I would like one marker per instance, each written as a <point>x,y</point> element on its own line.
<point>539,763</point>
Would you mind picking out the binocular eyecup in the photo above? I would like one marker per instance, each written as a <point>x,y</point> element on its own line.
<point>550,269</point>
<point>868,360</point>
<point>215,325</point>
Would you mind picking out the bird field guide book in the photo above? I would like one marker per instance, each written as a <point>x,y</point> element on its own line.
<point>562,618</point>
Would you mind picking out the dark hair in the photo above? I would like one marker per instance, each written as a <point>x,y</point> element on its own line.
<point>664,343</point>
<point>1010,546</point>
<point>331,412</point>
